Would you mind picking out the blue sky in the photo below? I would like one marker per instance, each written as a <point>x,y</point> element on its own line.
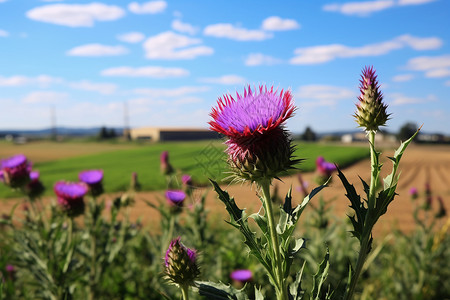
<point>170,61</point>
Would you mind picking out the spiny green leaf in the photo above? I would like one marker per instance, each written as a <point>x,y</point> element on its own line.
<point>295,288</point>
<point>320,277</point>
<point>356,204</point>
<point>219,291</point>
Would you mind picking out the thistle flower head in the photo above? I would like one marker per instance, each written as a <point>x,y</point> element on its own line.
<point>175,198</point>
<point>70,196</point>
<point>166,167</point>
<point>258,145</point>
<point>371,111</point>
<point>16,171</point>
<point>93,178</point>
<point>34,188</point>
<point>181,263</point>
<point>242,276</point>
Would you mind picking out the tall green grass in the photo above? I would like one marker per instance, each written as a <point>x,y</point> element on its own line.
<point>199,159</point>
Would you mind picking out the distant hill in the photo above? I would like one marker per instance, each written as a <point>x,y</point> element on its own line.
<point>66,131</point>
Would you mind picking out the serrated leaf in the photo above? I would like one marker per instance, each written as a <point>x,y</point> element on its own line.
<point>356,205</point>
<point>219,291</point>
<point>295,288</point>
<point>320,277</point>
<point>241,223</point>
<point>258,294</point>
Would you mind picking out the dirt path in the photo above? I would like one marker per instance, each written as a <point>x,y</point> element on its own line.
<point>420,165</point>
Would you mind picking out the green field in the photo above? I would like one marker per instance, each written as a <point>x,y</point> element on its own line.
<point>200,159</point>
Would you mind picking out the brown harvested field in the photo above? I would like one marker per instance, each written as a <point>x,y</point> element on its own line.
<point>419,165</point>
<point>47,151</point>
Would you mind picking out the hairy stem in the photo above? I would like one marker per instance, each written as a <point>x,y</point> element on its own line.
<point>280,280</point>
<point>374,170</point>
<point>185,292</point>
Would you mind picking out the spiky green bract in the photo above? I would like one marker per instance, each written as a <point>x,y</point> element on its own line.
<point>181,263</point>
<point>371,111</point>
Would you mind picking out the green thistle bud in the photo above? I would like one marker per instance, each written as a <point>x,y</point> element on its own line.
<point>180,263</point>
<point>371,111</point>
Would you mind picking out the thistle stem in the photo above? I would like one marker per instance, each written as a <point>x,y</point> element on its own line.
<point>374,170</point>
<point>280,280</point>
<point>185,292</point>
<point>367,231</point>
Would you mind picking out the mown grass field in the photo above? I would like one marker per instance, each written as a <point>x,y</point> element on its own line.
<point>202,159</point>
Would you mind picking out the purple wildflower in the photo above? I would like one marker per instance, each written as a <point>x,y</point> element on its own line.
<point>70,196</point>
<point>16,171</point>
<point>186,179</point>
<point>258,145</point>
<point>371,111</point>
<point>93,178</point>
<point>166,167</point>
<point>414,193</point>
<point>324,170</point>
<point>34,188</point>
<point>11,272</point>
<point>181,263</point>
<point>175,198</point>
<point>242,276</point>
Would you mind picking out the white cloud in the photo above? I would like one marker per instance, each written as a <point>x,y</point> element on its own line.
<point>403,77</point>
<point>152,7</point>
<point>257,59</point>
<point>102,88</point>
<point>131,37</point>
<point>275,23</point>
<point>365,8</point>
<point>184,27</point>
<point>400,99</point>
<point>97,50</point>
<point>45,97</point>
<point>325,53</point>
<point>433,66</point>
<point>166,46</point>
<point>4,33</point>
<point>75,15</point>
<point>225,30</point>
<point>359,8</point>
<point>225,79</point>
<point>150,71</point>
<point>20,80</point>
<point>173,92</point>
<point>322,95</point>
<point>413,2</point>
<point>188,100</point>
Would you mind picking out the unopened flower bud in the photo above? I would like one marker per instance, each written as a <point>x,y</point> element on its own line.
<point>371,111</point>
<point>180,262</point>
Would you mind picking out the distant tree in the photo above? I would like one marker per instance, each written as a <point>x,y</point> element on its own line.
<point>407,130</point>
<point>106,133</point>
<point>309,134</point>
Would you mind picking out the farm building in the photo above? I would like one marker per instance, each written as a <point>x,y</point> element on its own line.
<point>172,134</point>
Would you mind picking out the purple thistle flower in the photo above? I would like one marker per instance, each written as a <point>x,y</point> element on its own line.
<point>181,263</point>
<point>258,145</point>
<point>93,178</point>
<point>242,276</point>
<point>175,198</point>
<point>166,167</point>
<point>34,188</point>
<point>16,171</point>
<point>70,196</point>
<point>186,179</point>
<point>413,192</point>
<point>371,111</point>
